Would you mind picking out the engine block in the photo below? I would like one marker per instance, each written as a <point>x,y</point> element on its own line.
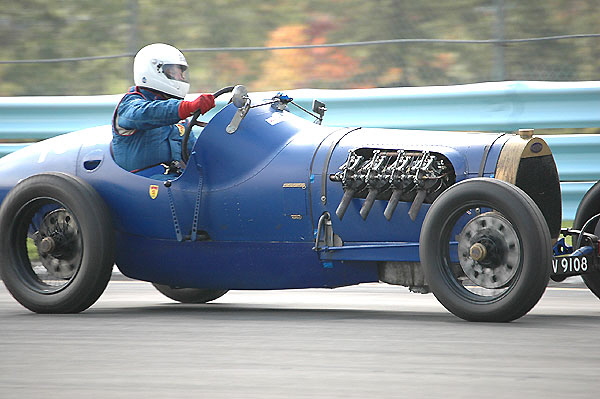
<point>392,175</point>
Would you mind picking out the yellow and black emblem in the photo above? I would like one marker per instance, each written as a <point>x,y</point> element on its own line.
<point>153,191</point>
<point>181,129</point>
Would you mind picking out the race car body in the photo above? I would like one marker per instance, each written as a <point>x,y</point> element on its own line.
<point>271,200</point>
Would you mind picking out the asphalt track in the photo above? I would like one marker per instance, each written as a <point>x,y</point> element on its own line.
<point>367,341</point>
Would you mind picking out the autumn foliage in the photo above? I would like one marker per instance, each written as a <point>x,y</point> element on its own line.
<point>294,68</point>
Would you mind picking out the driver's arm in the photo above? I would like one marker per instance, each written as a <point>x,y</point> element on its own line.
<point>204,103</point>
<point>137,113</point>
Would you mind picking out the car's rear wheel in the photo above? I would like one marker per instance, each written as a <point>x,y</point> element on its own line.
<point>57,243</point>
<point>486,250</point>
<point>588,208</point>
<point>189,295</point>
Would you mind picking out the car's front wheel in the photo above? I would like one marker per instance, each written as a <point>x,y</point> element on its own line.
<point>57,243</point>
<point>486,250</point>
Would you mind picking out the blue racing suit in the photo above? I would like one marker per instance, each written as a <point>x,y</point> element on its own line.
<point>147,130</point>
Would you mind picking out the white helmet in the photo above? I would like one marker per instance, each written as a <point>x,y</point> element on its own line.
<point>161,67</point>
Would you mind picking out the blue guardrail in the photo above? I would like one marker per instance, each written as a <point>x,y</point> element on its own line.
<point>491,106</point>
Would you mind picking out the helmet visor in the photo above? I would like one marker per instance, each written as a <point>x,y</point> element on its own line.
<point>176,72</point>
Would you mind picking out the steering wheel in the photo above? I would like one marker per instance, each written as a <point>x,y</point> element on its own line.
<point>185,156</point>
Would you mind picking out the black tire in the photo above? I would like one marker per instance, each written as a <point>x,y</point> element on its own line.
<point>589,207</point>
<point>508,271</point>
<point>57,244</point>
<point>189,295</point>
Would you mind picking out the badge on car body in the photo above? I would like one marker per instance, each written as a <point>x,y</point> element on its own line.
<point>153,191</point>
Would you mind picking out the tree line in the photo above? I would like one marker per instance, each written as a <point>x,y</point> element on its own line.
<point>41,30</point>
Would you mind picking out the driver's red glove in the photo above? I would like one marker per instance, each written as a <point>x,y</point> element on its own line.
<point>204,103</point>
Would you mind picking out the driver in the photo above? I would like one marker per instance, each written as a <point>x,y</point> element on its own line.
<point>147,123</point>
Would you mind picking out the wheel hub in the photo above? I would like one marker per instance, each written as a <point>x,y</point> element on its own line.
<point>489,251</point>
<point>478,252</point>
<point>46,246</point>
<point>58,244</point>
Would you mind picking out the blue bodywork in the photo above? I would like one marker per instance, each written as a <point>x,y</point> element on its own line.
<point>244,213</point>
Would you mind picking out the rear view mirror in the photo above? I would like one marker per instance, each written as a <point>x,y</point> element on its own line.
<point>319,108</point>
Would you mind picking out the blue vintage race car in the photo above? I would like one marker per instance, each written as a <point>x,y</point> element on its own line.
<point>271,200</point>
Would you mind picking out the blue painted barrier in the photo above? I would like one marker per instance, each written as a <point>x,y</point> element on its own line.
<point>572,192</point>
<point>492,106</point>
